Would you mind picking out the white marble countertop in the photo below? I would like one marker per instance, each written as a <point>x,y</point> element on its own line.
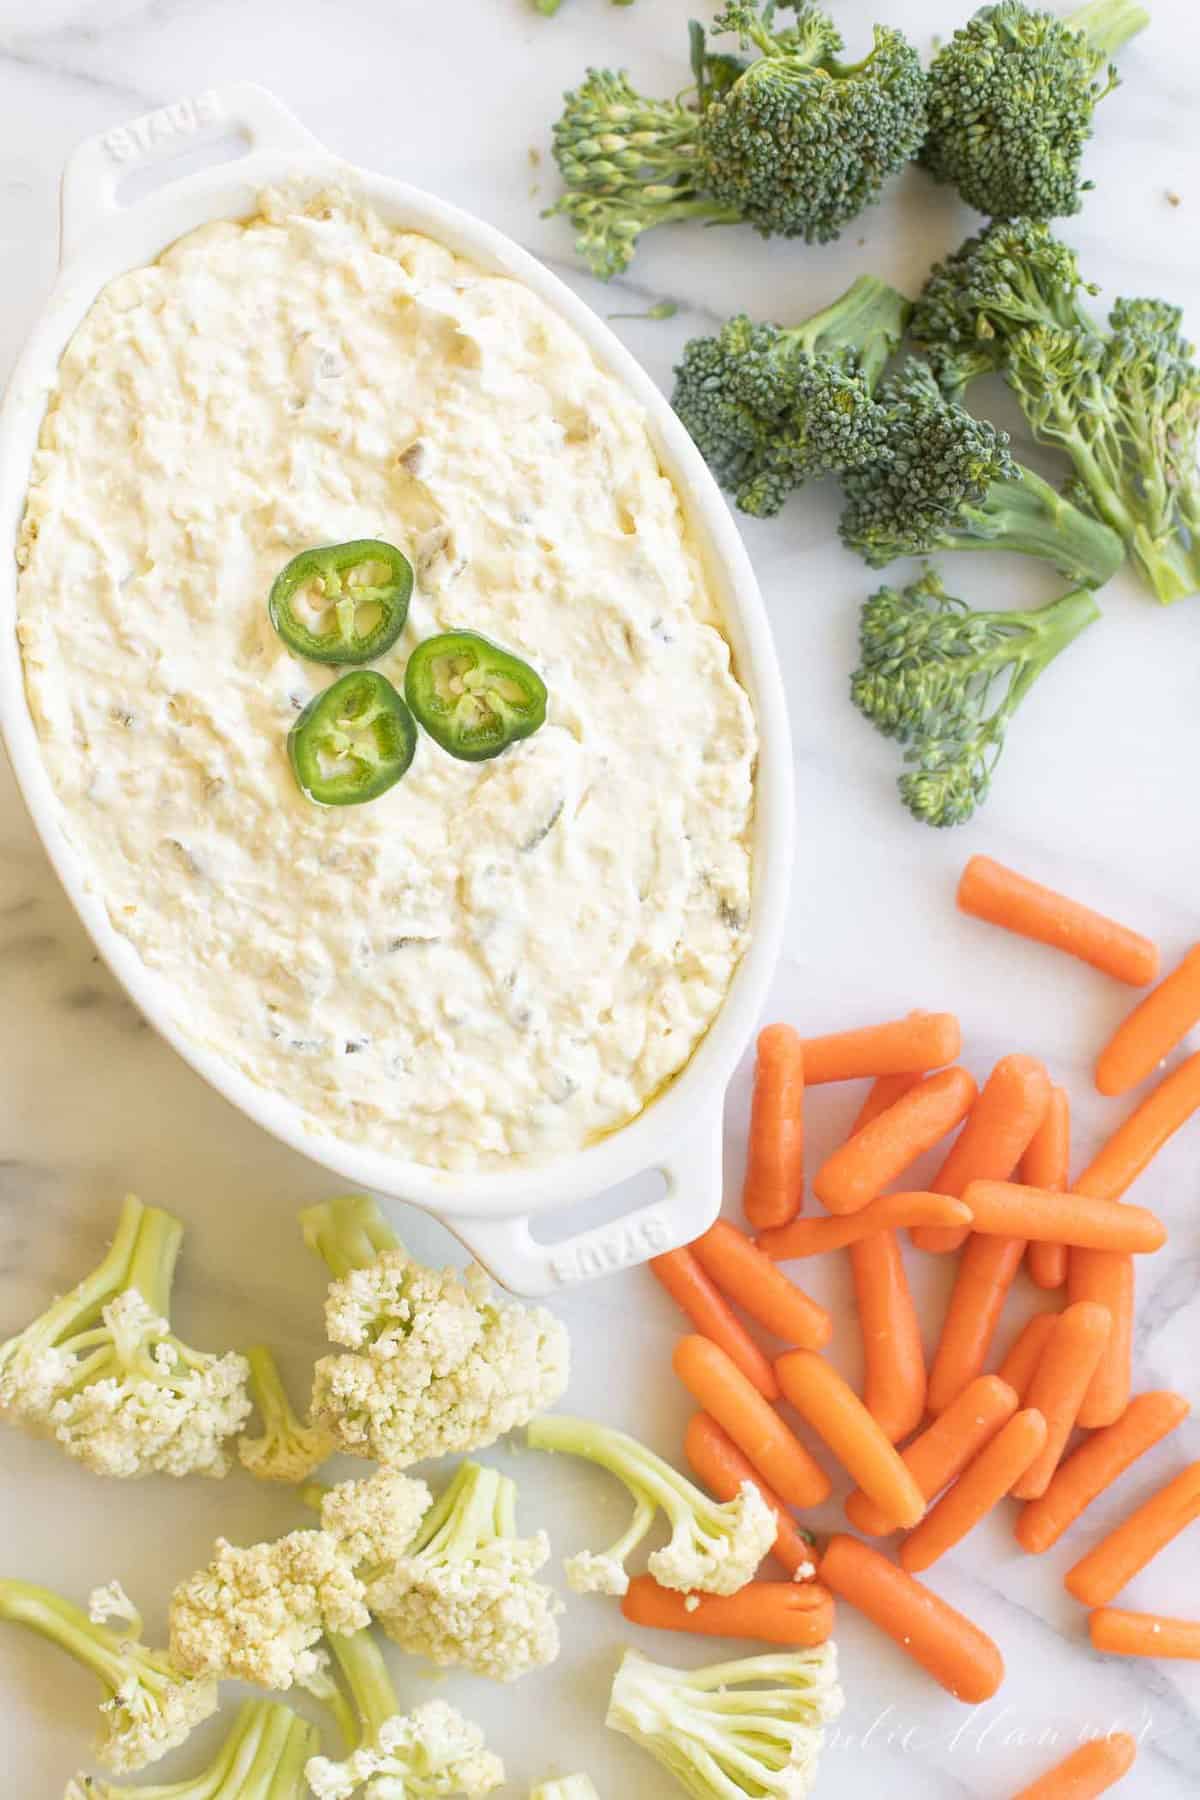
<point>1096,794</point>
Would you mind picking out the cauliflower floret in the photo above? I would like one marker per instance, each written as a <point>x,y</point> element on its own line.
<point>256,1613</point>
<point>464,1594</point>
<point>376,1520</point>
<point>436,1363</point>
<point>288,1450</point>
<point>262,1755</point>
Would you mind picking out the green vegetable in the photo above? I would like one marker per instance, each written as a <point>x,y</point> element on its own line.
<point>713,1548</point>
<point>103,1372</point>
<point>262,1758</point>
<point>472,697</point>
<point>771,408</point>
<point>947,482</point>
<point>1011,99</point>
<point>796,144</point>
<point>344,603</point>
<point>353,741</point>
<point>151,1708</point>
<point>752,1727</point>
<point>945,682</point>
<point>288,1450</point>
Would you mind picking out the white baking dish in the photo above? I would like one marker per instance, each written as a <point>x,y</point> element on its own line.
<point>104,234</point>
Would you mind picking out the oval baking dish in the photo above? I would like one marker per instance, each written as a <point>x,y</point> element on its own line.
<point>679,1133</point>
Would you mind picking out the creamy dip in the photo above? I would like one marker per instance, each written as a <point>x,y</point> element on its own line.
<point>492,961</point>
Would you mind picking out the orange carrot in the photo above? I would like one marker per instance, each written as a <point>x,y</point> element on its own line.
<point>981,1486</point>
<point>1059,1383</point>
<point>999,895</point>
<point>692,1290</point>
<point>1107,1279</point>
<point>1100,1575</point>
<point>894,1380</point>
<point>1136,1142</point>
<point>986,1270</point>
<point>755,1427</point>
<point>774,1186</point>
<point>1087,1772</point>
<point>944,1448</point>
<point>908,1046</point>
<point>1144,1634</point>
<point>721,1466</point>
<point>740,1270</point>
<point>1152,1030</point>
<point>1006,1209</point>
<point>999,1129</point>
<point>863,1166</point>
<point>1097,1463</point>
<point>1046,1164</point>
<point>774,1612</point>
<point>835,1412</point>
<point>884,1091</point>
<point>1025,1354</point>
<point>954,1651</point>
<point>813,1237</point>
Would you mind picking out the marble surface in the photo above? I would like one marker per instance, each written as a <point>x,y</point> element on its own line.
<point>1097,793</point>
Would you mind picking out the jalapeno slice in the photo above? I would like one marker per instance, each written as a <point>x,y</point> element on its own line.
<point>343,603</point>
<point>472,697</point>
<point>352,742</point>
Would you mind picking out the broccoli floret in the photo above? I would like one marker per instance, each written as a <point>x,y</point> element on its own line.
<point>949,483</point>
<point>945,682</point>
<point>771,408</point>
<point>432,1751</point>
<point>102,1370</point>
<point>463,1594</point>
<point>567,1787</point>
<point>263,1758</point>
<point>796,143</point>
<point>435,1363</point>
<point>750,1727</point>
<point>288,1450</point>
<point>152,1705</point>
<point>713,1548</point>
<point>1011,99</point>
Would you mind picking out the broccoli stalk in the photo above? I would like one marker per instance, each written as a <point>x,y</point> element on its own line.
<point>713,1548</point>
<point>945,682</point>
<point>262,1758</point>
<point>796,143</point>
<point>151,1707</point>
<point>430,1751</point>
<point>771,408</point>
<point>755,1726</point>
<point>288,1450</point>
<point>103,1371</point>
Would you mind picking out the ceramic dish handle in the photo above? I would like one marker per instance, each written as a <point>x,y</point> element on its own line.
<point>96,172</point>
<point>508,1249</point>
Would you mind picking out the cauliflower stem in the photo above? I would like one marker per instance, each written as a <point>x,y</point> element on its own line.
<point>263,1758</point>
<point>567,1787</point>
<point>288,1450</point>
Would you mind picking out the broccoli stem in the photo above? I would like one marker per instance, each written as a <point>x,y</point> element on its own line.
<point>369,1682</point>
<point>1028,516</point>
<point>347,1233</point>
<point>113,1659</point>
<point>1107,24</point>
<point>865,324</point>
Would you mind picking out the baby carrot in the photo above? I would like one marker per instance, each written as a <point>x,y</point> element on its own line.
<point>1142,1135</point>
<point>1144,1634</point>
<point>954,1651</point>
<point>884,1091</point>
<point>722,1468</point>
<point>1087,1772</point>
<point>944,1448</point>
<point>1099,1576</point>
<point>740,1270</point>
<point>812,1237</point>
<point>1060,1381</point>
<point>1006,1209</point>
<point>1152,1030</point>
<point>1025,1353</point>
<point>894,1357</point>
<point>864,1165</point>
<point>775,1612</point>
<point>774,1186</point>
<point>1046,1164</point>
<point>999,1129</point>
<point>755,1427</point>
<point>692,1290</point>
<point>981,1486</point>
<point>908,1046</point>
<point>1097,1463</point>
<point>986,1270</point>
<point>1108,1279</point>
<point>1000,896</point>
<point>835,1412</point>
